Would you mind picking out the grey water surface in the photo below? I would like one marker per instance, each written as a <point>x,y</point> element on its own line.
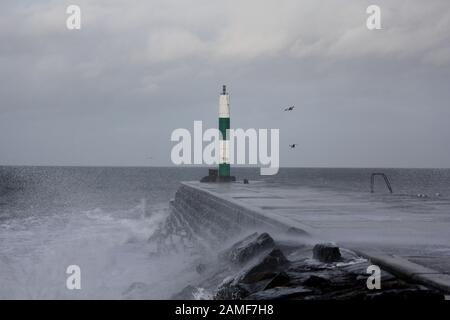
<point>100,218</point>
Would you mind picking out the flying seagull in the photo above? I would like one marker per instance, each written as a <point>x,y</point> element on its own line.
<point>293,145</point>
<point>289,109</point>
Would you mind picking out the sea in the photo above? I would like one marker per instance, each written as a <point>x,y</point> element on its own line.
<point>100,219</point>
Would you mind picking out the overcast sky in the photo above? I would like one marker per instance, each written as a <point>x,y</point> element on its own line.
<point>113,92</point>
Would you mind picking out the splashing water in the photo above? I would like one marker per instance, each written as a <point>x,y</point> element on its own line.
<point>111,249</point>
<point>101,219</point>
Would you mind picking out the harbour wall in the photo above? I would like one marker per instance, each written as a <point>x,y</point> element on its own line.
<point>217,217</point>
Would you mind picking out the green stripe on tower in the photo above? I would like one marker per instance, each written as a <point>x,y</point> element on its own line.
<point>224,125</point>
<point>224,170</point>
<point>224,165</point>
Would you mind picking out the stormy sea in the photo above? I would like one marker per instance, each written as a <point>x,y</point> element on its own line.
<point>103,219</point>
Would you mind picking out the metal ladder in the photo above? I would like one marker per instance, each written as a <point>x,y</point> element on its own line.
<point>372,181</point>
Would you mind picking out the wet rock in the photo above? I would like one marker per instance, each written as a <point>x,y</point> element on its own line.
<point>326,252</point>
<point>248,248</point>
<point>280,280</point>
<point>355,294</point>
<point>280,293</point>
<point>273,276</point>
<point>229,289</point>
<point>317,282</point>
<point>265,268</point>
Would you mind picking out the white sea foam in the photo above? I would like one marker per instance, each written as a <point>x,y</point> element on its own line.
<point>111,249</point>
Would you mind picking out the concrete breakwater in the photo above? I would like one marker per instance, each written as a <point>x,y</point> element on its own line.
<point>215,213</point>
<point>216,218</point>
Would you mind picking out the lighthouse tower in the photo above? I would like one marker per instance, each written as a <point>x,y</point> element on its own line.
<point>224,126</point>
<point>223,174</point>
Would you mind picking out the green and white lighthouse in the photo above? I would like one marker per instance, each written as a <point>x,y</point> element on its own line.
<point>224,126</point>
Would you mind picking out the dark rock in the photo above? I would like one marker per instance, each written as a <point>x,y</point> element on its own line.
<point>273,276</point>
<point>200,268</point>
<point>245,181</point>
<point>248,248</point>
<point>317,282</point>
<point>266,268</point>
<point>334,279</point>
<point>186,294</point>
<point>279,293</point>
<point>253,277</point>
<point>280,280</point>
<point>230,290</point>
<point>355,294</point>
<point>326,252</point>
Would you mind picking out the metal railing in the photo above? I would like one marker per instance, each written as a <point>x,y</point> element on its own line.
<point>386,180</point>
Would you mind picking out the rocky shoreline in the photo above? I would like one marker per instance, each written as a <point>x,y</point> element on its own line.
<point>259,268</point>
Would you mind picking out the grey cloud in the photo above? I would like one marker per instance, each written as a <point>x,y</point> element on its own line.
<point>111,93</point>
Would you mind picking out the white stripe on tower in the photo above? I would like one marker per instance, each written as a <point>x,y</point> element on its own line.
<point>224,105</point>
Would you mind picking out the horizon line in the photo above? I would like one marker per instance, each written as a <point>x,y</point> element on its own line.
<point>209,167</point>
